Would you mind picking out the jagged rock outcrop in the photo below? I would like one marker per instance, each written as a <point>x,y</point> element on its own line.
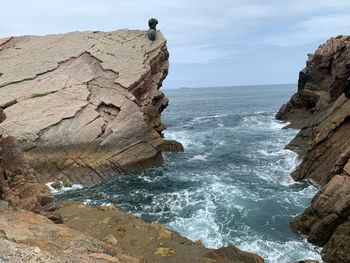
<point>321,109</point>
<point>84,106</point>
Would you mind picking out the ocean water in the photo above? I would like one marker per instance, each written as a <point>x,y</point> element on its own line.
<point>232,183</point>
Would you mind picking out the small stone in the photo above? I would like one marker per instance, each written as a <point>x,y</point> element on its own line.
<point>56,185</point>
<point>66,233</point>
<point>121,231</point>
<point>106,220</point>
<point>347,168</point>
<point>104,208</point>
<point>164,251</point>
<point>67,184</point>
<point>111,240</point>
<point>45,199</point>
<point>164,233</point>
<point>37,250</point>
<point>199,243</point>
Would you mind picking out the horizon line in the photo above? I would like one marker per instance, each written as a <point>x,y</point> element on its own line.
<point>231,86</point>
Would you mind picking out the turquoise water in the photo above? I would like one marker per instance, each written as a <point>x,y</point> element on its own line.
<point>232,184</point>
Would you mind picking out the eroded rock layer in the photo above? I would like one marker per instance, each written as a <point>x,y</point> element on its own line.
<point>84,106</point>
<point>321,109</point>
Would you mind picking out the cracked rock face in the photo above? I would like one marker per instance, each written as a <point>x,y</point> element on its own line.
<point>321,109</point>
<point>84,106</point>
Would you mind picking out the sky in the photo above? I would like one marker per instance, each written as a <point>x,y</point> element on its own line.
<point>211,43</point>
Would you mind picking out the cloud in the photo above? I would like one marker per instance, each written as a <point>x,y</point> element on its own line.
<point>198,32</point>
<point>312,30</point>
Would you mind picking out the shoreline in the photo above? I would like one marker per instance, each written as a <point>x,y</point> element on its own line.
<point>146,178</point>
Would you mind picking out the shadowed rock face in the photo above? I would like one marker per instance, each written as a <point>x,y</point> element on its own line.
<point>321,108</point>
<point>18,183</point>
<point>84,106</point>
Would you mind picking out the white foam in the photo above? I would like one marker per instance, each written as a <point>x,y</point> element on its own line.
<point>63,188</point>
<point>201,225</point>
<point>209,117</point>
<point>187,139</point>
<point>199,157</point>
<point>263,122</point>
<point>275,252</point>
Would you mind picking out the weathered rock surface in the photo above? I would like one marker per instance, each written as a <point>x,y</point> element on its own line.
<point>28,237</point>
<point>146,241</point>
<point>84,106</point>
<point>321,108</point>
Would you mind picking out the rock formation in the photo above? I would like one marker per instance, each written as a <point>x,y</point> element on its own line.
<point>84,106</point>
<point>81,107</point>
<point>321,109</point>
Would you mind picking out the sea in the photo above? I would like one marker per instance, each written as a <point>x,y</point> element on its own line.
<point>232,183</point>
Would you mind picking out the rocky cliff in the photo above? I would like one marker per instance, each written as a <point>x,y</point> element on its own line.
<point>321,109</point>
<point>84,106</point>
<point>81,107</point>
